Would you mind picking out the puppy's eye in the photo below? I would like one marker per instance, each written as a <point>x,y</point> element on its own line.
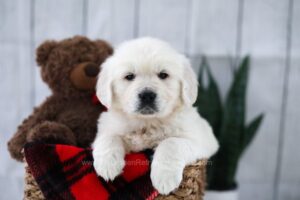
<point>163,75</point>
<point>129,77</point>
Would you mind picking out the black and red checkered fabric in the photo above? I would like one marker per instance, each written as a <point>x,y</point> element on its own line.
<point>67,172</point>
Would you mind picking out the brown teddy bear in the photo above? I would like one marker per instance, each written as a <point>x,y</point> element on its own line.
<point>68,116</point>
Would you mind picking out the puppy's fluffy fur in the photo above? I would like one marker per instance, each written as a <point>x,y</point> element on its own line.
<point>164,120</point>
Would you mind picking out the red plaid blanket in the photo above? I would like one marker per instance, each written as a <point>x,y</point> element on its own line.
<point>66,172</point>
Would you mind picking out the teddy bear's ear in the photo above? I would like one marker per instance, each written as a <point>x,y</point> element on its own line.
<point>43,52</point>
<point>104,46</point>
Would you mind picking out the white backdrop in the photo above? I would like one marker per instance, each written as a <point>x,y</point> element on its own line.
<point>268,30</point>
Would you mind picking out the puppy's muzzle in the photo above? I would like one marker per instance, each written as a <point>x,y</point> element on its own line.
<point>147,105</point>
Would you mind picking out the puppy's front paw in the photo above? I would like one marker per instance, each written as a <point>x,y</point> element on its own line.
<point>109,166</point>
<point>166,178</point>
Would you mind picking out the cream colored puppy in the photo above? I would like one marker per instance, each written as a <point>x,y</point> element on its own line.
<point>149,90</point>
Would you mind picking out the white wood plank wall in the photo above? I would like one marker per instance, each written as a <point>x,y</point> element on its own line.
<point>225,31</point>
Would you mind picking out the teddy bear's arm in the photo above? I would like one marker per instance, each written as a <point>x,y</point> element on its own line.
<point>40,114</point>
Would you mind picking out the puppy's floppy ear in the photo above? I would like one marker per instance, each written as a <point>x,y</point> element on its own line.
<point>104,86</point>
<point>189,83</point>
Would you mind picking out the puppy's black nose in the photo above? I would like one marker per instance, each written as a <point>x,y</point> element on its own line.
<point>147,97</point>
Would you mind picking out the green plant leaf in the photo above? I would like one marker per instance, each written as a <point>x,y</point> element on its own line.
<point>251,131</point>
<point>234,111</point>
<point>208,101</point>
<point>232,128</point>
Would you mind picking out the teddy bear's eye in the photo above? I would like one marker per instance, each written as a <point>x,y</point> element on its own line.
<point>163,75</point>
<point>130,77</point>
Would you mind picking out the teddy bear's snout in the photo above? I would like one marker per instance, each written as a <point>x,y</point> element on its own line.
<point>84,75</point>
<point>91,70</point>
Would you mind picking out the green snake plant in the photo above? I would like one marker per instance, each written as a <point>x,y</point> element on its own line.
<point>228,123</point>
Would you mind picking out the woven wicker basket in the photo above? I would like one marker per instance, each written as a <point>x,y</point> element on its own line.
<point>191,188</point>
